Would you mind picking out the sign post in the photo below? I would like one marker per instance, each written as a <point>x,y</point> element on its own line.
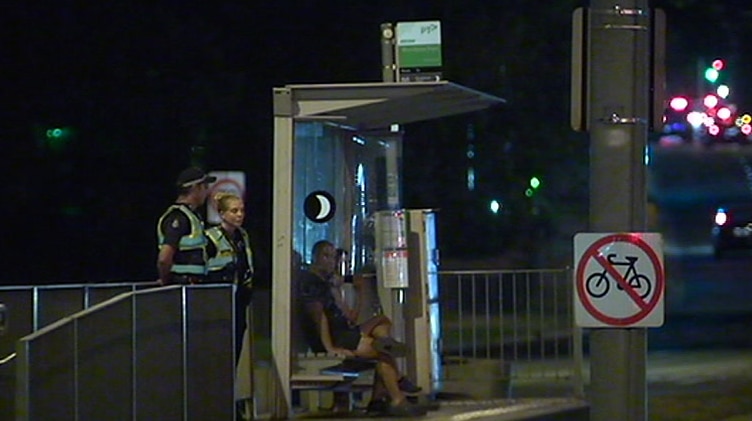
<point>615,77</point>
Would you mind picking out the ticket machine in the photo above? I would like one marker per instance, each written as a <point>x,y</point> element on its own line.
<point>407,262</point>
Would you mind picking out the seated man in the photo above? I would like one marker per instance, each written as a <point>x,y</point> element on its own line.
<point>371,339</point>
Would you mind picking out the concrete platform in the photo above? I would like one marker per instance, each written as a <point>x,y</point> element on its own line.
<point>553,409</point>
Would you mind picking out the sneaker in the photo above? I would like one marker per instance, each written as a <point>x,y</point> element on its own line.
<point>407,386</point>
<point>341,403</point>
<point>390,346</point>
<point>377,406</point>
<point>404,409</point>
<point>424,402</point>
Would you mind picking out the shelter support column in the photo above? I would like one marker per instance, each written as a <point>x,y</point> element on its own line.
<point>282,258</point>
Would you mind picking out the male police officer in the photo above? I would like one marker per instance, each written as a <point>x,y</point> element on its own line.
<point>180,231</point>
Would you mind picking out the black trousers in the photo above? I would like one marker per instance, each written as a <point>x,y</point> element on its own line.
<point>243,297</point>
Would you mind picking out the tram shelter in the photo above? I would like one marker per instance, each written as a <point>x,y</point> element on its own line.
<point>337,167</point>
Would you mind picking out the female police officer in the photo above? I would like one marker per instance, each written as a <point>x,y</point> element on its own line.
<point>231,257</point>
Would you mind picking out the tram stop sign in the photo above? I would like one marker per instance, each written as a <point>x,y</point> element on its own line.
<point>619,280</point>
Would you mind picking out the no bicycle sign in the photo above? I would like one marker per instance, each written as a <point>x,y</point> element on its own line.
<point>619,280</point>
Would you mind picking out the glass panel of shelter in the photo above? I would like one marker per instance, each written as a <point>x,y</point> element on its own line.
<point>359,172</point>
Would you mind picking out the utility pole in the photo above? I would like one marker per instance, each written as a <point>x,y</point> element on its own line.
<point>617,94</point>
<point>618,115</point>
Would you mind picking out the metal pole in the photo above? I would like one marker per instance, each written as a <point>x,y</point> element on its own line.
<point>388,65</point>
<point>619,84</point>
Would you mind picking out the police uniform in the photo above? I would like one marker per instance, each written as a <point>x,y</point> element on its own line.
<point>183,229</point>
<point>231,261</point>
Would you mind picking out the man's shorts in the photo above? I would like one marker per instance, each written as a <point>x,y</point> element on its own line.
<point>348,339</point>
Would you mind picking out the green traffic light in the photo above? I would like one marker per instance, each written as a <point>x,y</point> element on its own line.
<point>711,74</point>
<point>495,206</point>
<point>57,138</point>
<point>535,182</point>
<point>54,133</point>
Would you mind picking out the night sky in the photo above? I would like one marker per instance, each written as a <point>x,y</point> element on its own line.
<point>141,89</point>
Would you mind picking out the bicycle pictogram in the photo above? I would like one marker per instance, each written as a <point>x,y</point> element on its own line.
<point>599,283</point>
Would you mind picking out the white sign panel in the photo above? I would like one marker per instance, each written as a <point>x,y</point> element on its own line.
<point>394,269</point>
<point>419,33</point>
<point>619,280</point>
<point>227,181</point>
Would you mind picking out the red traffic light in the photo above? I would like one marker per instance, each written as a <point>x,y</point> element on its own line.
<point>718,64</point>
<point>710,101</point>
<point>679,103</point>
<point>724,113</point>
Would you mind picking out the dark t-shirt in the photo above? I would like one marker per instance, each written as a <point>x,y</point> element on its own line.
<point>313,289</point>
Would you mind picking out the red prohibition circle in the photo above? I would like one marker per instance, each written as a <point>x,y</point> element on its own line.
<point>591,253</point>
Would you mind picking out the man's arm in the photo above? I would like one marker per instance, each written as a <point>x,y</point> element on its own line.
<point>316,312</point>
<point>164,263</point>
<point>174,226</point>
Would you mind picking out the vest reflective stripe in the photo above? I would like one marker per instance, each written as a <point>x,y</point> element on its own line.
<point>225,252</point>
<point>188,269</point>
<point>195,240</point>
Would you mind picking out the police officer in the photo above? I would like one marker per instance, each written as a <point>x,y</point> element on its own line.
<point>231,257</point>
<point>180,231</point>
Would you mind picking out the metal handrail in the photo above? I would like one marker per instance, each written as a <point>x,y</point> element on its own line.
<point>8,358</point>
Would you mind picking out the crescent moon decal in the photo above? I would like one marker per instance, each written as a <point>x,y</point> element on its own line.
<point>319,206</point>
<point>324,206</point>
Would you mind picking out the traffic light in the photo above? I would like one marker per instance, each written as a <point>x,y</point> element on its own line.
<point>56,138</point>
<point>679,103</point>
<point>710,101</point>
<point>724,113</point>
<point>711,74</point>
<point>714,71</point>
<point>56,133</point>
<point>723,91</point>
<point>535,184</point>
<point>495,206</point>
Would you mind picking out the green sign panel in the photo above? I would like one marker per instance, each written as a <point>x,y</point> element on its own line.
<point>419,44</point>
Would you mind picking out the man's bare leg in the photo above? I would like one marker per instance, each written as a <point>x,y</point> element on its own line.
<point>390,377</point>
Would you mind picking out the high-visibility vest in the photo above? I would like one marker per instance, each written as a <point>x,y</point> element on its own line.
<point>226,254</point>
<point>195,240</point>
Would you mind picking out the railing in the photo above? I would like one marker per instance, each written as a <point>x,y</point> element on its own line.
<point>511,328</point>
<point>498,328</point>
<point>158,353</point>
<point>31,307</point>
